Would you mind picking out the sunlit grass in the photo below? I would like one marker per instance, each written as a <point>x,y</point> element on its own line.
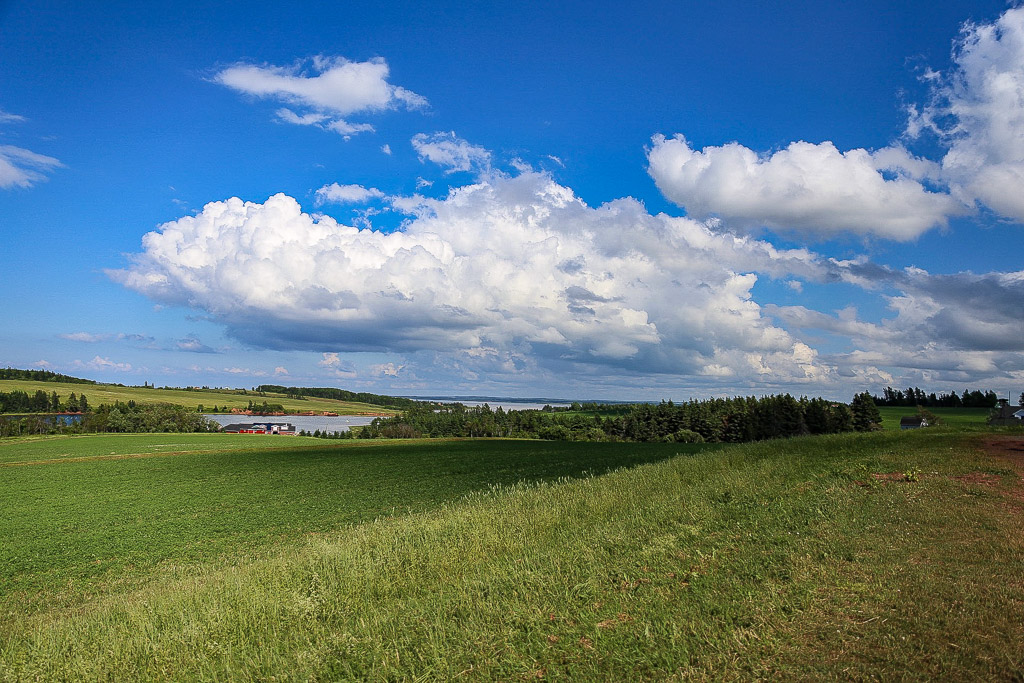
<point>109,393</point>
<point>808,559</point>
<point>71,524</point>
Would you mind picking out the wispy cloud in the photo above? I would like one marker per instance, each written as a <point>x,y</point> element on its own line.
<point>24,168</point>
<point>328,89</point>
<point>346,194</point>
<point>451,151</point>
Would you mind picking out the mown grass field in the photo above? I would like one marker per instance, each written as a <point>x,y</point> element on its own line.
<point>109,393</point>
<point>865,556</point>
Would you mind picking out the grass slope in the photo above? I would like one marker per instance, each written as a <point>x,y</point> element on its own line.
<point>810,558</point>
<point>83,512</point>
<point>109,393</point>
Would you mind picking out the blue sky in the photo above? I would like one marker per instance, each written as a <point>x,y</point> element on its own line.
<point>636,201</point>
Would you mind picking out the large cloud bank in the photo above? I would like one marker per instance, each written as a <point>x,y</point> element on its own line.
<point>976,110</point>
<point>955,328</point>
<point>515,269</point>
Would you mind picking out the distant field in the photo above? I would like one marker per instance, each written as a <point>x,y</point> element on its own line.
<point>38,449</point>
<point>108,393</point>
<point>951,417</point>
<point>883,556</point>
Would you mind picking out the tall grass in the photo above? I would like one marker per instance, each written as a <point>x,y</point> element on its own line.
<point>783,559</point>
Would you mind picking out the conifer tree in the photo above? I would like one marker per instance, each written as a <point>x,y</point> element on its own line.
<point>866,417</point>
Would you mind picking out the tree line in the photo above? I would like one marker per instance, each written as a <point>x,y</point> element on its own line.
<point>914,396</point>
<point>731,420</point>
<point>19,401</point>
<point>112,418</point>
<point>41,376</point>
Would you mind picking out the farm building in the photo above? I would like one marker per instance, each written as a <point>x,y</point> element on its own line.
<point>913,422</point>
<point>1007,415</point>
<point>260,428</point>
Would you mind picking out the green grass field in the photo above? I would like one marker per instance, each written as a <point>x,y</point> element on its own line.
<point>109,393</point>
<point>84,511</point>
<point>958,418</point>
<point>893,555</point>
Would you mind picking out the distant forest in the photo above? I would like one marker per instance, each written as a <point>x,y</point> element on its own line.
<point>730,420</point>
<point>41,376</point>
<point>340,395</point>
<point>916,397</point>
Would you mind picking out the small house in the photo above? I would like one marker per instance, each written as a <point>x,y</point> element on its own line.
<point>1006,415</point>
<point>913,422</point>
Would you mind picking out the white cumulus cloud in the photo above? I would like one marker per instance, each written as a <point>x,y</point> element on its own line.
<point>977,110</point>
<point>514,272</point>
<point>810,188</point>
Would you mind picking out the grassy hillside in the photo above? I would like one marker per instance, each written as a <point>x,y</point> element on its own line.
<point>886,555</point>
<point>81,512</point>
<point>109,393</point>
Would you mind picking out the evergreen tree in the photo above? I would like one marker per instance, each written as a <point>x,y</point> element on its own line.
<point>866,417</point>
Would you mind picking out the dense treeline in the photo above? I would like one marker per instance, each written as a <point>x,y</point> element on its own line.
<point>339,395</point>
<point>18,401</point>
<point>118,418</point>
<point>916,397</point>
<point>731,420</point>
<point>265,408</point>
<point>146,417</point>
<point>41,376</point>
<point>590,407</point>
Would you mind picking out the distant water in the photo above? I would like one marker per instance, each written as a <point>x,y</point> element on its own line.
<point>512,405</point>
<point>310,423</point>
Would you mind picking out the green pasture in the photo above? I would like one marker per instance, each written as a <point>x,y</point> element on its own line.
<point>208,398</point>
<point>83,511</point>
<point>94,446</point>
<point>883,556</point>
<point>957,418</point>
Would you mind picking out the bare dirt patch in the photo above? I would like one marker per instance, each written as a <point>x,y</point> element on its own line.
<point>1008,450</point>
<point>889,476</point>
<point>983,478</point>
